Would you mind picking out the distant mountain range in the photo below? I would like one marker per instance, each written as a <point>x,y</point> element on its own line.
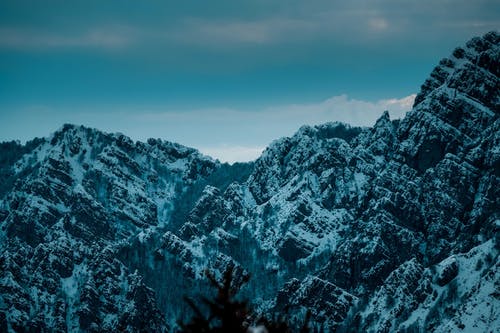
<point>393,228</point>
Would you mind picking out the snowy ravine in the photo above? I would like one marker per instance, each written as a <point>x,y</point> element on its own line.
<point>393,228</point>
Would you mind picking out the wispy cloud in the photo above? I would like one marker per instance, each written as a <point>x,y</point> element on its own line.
<point>257,31</point>
<point>344,25</point>
<point>344,109</point>
<point>251,23</point>
<point>102,37</point>
<point>232,153</point>
<point>227,134</point>
<point>378,24</point>
<point>472,24</point>
<point>338,108</point>
<point>296,22</point>
<point>235,135</point>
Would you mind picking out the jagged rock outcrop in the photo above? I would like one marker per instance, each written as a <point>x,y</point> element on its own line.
<point>392,228</point>
<point>74,199</point>
<point>326,303</point>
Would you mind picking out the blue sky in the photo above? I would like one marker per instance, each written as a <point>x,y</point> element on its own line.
<point>226,77</point>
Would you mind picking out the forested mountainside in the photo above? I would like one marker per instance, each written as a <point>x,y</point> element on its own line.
<point>392,228</point>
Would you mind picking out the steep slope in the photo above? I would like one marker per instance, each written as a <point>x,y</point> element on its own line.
<point>74,199</point>
<point>389,228</point>
<point>458,294</point>
<point>354,209</point>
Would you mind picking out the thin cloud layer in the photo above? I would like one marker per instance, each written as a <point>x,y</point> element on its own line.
<point>231,135</point>
<point>102,37</point>
<point>226,25</point>
<point>232,153</point>
<point>98,63</point>
<point>245,134</point>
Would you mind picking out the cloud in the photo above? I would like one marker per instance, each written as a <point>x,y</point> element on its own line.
<point>378,24</point>
<point>221,23</point>
<point>345,109</point>
<point>235,135</point>
<point>230,31</point>
<point>355,22</point>
<point>276,122</point>
<point>482,25</point>
<point>395,104</point>
<point>233,153</point>
<point>107,38</point>
<point>227,134</point>
<point>165,26</point>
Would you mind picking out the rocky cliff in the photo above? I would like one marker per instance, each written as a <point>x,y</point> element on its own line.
<point>382,229</point>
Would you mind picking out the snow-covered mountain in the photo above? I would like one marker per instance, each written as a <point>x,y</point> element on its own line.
<point>392,228</point>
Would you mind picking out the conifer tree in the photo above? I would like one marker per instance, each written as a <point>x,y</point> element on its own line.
<point>228,315</point>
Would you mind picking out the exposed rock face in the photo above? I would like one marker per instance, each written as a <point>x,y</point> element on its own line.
<point>75,199</point>
<point>327,303</point>
<point>383,229</point>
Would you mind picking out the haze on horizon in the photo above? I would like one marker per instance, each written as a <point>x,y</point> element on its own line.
<point>225,77</point>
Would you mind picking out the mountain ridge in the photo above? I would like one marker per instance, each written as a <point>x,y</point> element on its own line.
<point>388,228</point>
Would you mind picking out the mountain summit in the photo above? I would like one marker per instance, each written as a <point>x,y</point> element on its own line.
<point>392,228</point>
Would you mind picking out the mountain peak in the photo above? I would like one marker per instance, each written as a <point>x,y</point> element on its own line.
<point>384,119</point>
<point>471,72</point>
<point>387,228</point>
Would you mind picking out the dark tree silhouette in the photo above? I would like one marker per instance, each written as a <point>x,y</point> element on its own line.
<point>225,314</point>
